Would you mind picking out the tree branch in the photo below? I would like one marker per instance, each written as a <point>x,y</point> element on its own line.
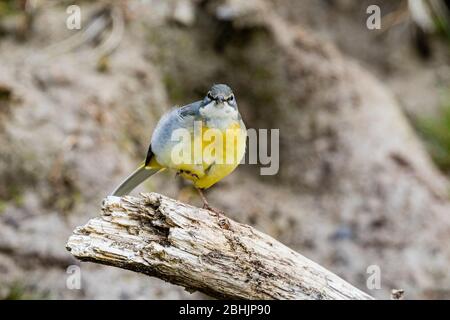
<point>193,248</point>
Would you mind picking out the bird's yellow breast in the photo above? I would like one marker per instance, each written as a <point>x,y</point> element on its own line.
<point>221,152</point>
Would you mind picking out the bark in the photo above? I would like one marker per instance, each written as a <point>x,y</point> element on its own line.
<point>196,249</point>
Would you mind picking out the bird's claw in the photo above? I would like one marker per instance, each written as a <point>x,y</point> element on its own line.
<point>223,221</point>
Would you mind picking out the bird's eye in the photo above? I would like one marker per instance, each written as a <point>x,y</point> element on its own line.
<point>231,98</point>
<point>210,96</point>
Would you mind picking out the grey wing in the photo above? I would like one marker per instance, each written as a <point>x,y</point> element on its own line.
<point>190,110</point>
<point>162,143</point>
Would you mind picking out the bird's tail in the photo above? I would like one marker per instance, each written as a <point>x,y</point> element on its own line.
<point>134,179</point>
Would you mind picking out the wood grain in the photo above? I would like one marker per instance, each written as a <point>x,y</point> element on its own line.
<point>196,249</point>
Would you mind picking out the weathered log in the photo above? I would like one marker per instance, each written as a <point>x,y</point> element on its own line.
<point>199,250</point>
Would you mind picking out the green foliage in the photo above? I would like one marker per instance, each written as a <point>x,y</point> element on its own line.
<point>442,24</point>
<point>8,7</point>
<point>18,291</point>
<point>11,192</point>
<point>436,133</point>
<point>3,205</point>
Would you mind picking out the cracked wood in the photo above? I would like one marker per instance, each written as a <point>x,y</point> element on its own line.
<point>193,248</point>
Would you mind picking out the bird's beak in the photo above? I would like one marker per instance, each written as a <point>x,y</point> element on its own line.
<point>220,102</point>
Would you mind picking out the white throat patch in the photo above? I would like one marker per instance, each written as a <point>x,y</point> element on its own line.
<point>219,116</point>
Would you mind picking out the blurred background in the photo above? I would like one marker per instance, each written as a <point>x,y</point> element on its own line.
<point>363,113</point>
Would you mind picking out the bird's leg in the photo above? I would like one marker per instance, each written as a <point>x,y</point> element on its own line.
<point>206,204</point>
<point>202,196</point>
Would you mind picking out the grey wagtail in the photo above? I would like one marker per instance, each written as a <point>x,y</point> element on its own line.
<point>214,124</point>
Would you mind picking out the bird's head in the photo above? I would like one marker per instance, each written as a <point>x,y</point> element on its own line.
<point>221,95</point>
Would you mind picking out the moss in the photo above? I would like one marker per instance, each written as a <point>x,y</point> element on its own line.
<point>436,134</point>
<point>67,202</point>
<point>18,200</point>
<point>8,7</point>
<point>442,25</point>
<point>18,291</point>
<point>3,205</point>
<point>12,192</point>
<point>103,64</point>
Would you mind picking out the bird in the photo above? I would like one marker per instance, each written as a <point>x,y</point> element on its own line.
<point>216,116</point>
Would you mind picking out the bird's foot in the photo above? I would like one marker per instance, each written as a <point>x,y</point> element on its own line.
<point>223,220</point>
